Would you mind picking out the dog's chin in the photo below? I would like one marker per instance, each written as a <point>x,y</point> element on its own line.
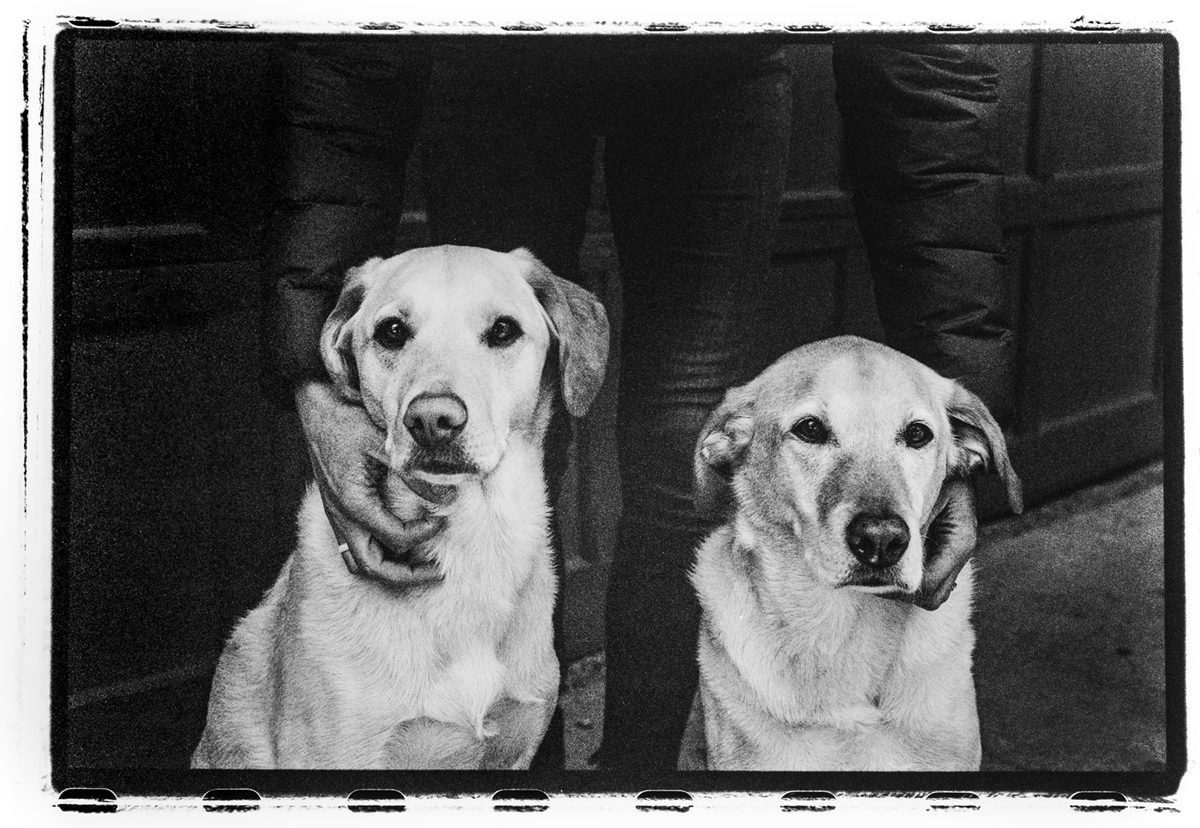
<point>438,485</point>
<point>874,582</point>
<point>836,570</point>
<point>437,477</point>
<point>418,559</point>
<point>875,588</point>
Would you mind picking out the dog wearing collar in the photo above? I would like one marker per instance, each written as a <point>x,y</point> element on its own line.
<point>457,353</point>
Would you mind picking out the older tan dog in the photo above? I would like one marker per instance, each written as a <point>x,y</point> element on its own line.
<point>447,349</point>
<point>836,458</point>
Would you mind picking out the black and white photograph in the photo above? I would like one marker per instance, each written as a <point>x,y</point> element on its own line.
<point>619,408</point>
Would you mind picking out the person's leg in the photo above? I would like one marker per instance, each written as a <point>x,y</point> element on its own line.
<point>344,118</point>
<point>507,164</point>
<point>507,159</point>
<point>695,177</point>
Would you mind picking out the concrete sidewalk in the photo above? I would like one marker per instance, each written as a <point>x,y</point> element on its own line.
<point>1069,661</point>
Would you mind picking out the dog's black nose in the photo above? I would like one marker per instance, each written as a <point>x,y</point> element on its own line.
<point>878,540</point>
<point>435,419</point>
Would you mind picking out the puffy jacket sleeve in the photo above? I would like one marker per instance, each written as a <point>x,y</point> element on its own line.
<point>918,129</point>
<point>345,119</point>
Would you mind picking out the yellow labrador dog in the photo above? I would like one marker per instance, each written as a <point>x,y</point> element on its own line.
<point>447,348</point>
<point>834,459</point>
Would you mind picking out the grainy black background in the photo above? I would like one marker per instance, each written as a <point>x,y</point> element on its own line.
<point>181,480</point>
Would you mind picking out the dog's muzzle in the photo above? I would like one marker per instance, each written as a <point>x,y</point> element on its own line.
<point>877,540</point>
<point>434,420</point>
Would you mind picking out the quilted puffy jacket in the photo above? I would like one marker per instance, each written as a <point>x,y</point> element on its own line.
<point>919,143</point>
<point>918,149</point>
<point>345,119</point>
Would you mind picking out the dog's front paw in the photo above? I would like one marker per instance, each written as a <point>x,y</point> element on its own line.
<point>425,743</point>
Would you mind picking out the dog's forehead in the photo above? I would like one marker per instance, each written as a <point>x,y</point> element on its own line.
<point>468,279</point>
<point>850,377</point>
<point>872,379</point>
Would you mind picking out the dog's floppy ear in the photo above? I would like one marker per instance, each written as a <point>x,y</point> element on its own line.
<point>721,448</point>
<point>580,326</point>
<point>337,336</point>
<point>979,443</point>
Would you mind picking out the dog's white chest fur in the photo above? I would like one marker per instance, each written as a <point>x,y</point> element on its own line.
<point>356,660</point>
<point>440,653</point>
<point>813,678</point>
<point>444,655</point>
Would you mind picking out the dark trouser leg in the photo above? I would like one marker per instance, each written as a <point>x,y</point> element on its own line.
<point>506,164</point>
<point>507,167</point>
<point>695,187</point>
<point>344,119</point>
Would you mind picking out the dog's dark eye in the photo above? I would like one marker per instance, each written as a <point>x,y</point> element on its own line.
<point>503,331</point>
<point>392,334</point>
<point>811,430</point>
<point>917,435</point>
